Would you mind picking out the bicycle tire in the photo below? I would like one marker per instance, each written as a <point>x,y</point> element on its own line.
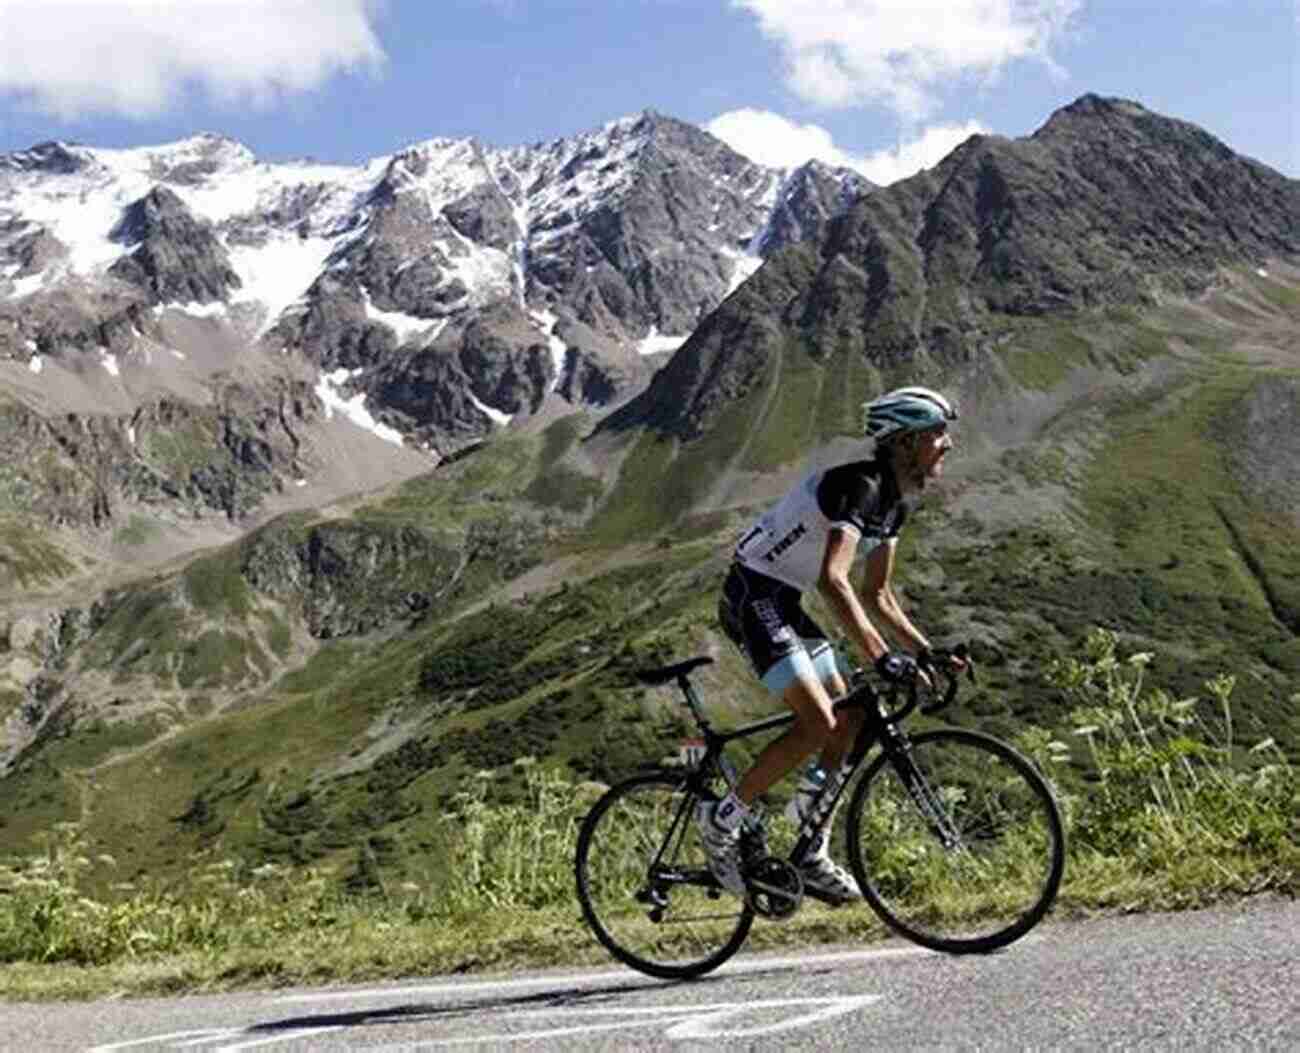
<point>1001,869</point>
<point>699,926</point>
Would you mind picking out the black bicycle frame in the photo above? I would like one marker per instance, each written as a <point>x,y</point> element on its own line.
<point>875,728</point>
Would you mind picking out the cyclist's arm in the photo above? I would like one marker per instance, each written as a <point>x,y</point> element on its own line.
<point>838,592</point>
<point>882,604</point>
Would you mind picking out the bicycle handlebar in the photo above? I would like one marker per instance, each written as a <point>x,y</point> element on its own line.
<point>938,665</point>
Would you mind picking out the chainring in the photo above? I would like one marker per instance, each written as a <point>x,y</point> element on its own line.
<point>775,888</point>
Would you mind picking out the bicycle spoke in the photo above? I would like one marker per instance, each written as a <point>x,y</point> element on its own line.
<point>958,844</point>
<point>639,843</point>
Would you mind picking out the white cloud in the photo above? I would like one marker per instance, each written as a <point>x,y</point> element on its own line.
<point>137,58</point>
<point>771,139</point>
<point>897,53</point>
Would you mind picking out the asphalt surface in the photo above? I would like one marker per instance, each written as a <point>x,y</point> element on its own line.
<point>1227,978</point>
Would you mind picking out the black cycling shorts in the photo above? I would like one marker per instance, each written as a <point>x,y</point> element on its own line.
<point>764,618</point>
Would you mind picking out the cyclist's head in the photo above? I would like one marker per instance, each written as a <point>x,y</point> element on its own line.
<point>905,411</point>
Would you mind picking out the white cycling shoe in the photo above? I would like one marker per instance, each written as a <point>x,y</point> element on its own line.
<point>723,849</point>
<point>826,879</point>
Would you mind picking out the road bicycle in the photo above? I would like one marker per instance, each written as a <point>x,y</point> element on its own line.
<point>955,839</point>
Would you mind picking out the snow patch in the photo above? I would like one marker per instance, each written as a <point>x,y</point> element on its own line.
<point>279,272</point>
<point>36,363</point>
<point>130,433</point>
<point>559,349</point>
<point>405,326</point>
<point>657,342</point>
<point>486,272</point>
<point>354,408</point>
<point>743,265</point>
<point>26,286</point>
<point>109,361</point>
<point>495,414</point>
<point>1261,272</point>
<point>202,310</point>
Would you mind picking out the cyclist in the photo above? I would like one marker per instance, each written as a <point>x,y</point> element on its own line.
<point>809,540</point>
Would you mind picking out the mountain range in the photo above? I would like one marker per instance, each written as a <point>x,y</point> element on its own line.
<point>328,486</point>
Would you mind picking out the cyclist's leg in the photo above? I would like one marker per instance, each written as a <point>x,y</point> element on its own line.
<point>821,874</point>
<point>847,721</point>
<point>756,612</point>
<point>763,617</point>
<point>814,726</point>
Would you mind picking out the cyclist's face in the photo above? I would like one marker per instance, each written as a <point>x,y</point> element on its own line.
<point>929,448</point>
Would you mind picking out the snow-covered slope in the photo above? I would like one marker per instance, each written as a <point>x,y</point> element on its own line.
<point>441,291</point>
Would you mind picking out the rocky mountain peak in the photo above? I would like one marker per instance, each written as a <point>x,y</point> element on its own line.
<point>193,161</point>
<point>458,284</point>
<point>174,257</point>
<point>1123,123</point>
<point>1107,204</point>
<point>50,157</point>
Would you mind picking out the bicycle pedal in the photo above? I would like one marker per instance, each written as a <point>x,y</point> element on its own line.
<point>826,898</point>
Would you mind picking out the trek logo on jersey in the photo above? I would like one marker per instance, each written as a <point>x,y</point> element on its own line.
<point>781,546</point>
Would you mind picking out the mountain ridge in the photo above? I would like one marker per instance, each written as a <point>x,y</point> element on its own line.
<point>984,245</point>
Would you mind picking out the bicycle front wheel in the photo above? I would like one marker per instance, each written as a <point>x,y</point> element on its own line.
<point>956,842</point>
<point>644,881</point>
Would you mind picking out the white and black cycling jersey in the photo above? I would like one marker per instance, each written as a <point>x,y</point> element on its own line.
<point>788,543</point>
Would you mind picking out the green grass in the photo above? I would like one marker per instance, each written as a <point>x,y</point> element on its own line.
<point>138,530</point>
<point>1157,538</point>
<point>27,558</point>
<point>789,425</point>
<point>464,490</point>
<point>557,485</point>
<point>218,658</point>
<point>662,478</point>
<point>215,586</point>
<point>180,451</point>
<point>1040,354</point>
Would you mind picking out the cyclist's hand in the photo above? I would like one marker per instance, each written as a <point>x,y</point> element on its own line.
<point>894,667</point>
<point>943,660</point>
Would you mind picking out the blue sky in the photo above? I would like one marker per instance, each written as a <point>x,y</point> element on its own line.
<point>885,85</point>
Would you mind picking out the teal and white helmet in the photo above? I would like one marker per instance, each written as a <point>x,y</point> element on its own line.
<point>904,410</point>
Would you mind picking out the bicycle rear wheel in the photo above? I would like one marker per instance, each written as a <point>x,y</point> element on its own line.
<point>957,842</point>
<point>644,881</point>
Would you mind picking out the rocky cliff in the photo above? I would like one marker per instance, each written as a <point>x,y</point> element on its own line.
<point>1106,204</point>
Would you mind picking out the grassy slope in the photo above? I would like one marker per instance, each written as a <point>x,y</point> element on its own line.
<point>345,757</point>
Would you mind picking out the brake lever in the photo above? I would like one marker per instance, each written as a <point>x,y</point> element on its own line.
<point>961,651</point>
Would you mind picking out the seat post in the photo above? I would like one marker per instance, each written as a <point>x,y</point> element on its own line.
<point>693,701</point>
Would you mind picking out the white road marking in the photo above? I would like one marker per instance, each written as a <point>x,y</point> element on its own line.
<point>680,1021</point>
<point>702,1021</point>
<point>288,1036</point>
<point>604,976</point>
<point>205,1035</point>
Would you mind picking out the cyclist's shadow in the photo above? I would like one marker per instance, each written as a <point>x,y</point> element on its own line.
<point>559,998</point>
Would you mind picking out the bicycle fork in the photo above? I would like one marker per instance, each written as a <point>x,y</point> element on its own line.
<point>924,797</point>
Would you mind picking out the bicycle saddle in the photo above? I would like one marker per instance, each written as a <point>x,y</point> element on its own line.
<point>671,672</point>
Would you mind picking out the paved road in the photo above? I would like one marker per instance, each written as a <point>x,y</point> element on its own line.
<point>1222,979</point>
